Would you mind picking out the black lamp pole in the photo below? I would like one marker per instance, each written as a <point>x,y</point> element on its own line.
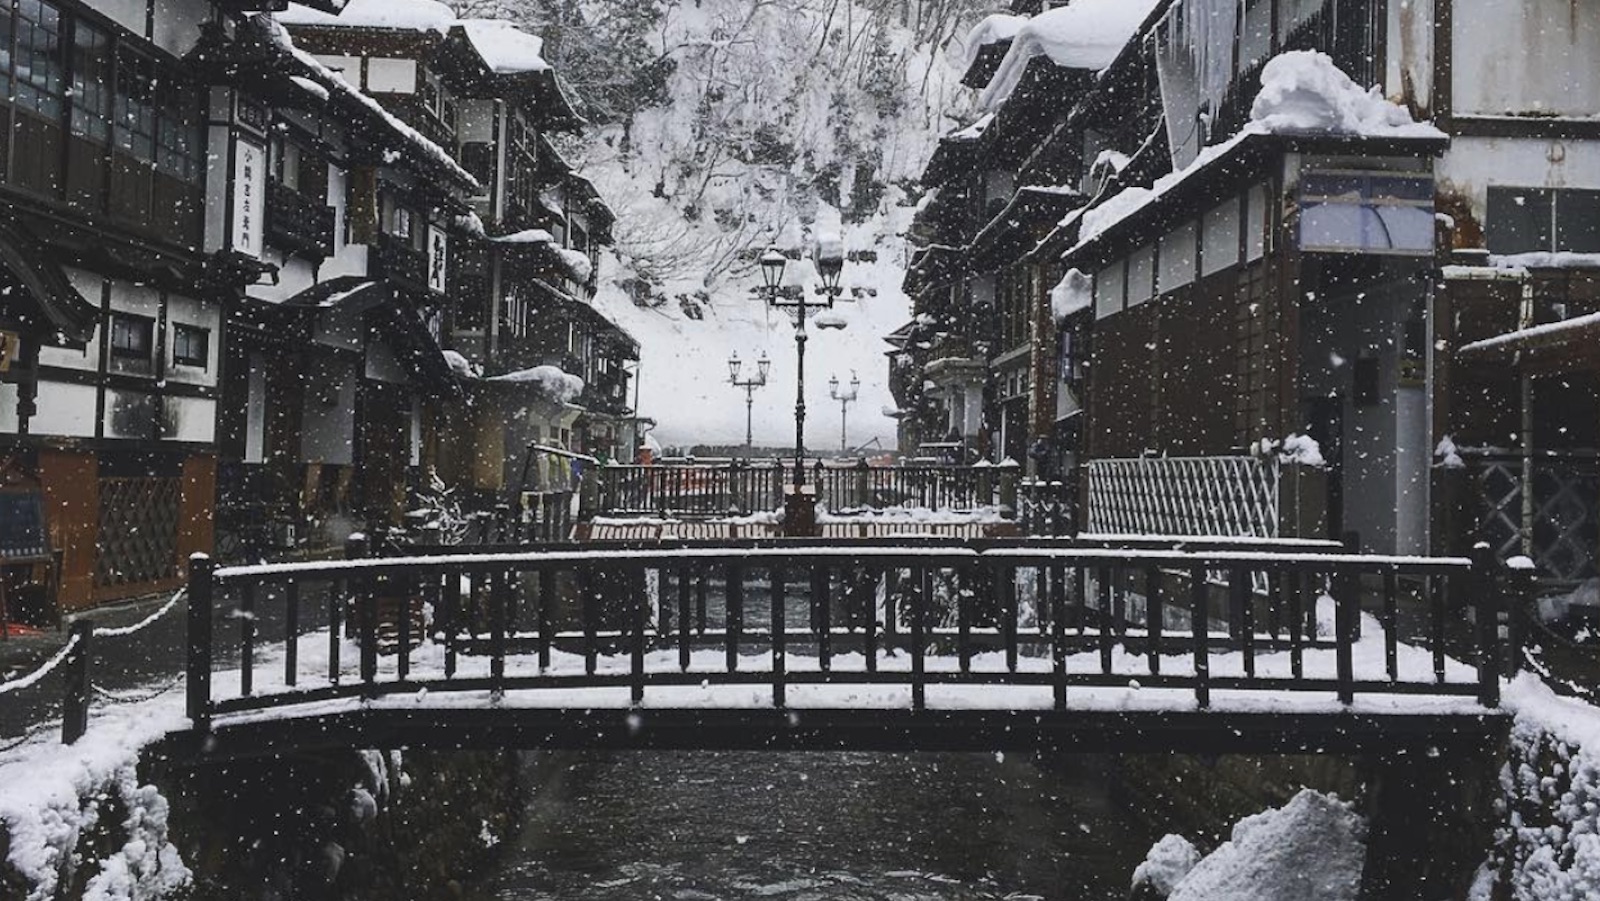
<point>749,385</point>
<point>844,398</point>
<point>829,259</point>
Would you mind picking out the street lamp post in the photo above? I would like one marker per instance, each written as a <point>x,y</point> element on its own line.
<point>828,255</point>
<point>749,385</point>
<point>844,398</point>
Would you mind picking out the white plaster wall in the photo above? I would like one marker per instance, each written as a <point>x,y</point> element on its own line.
<point>8,409</point>
<point>1142,275</point>
<point>348,67</point>
<point>391,76</point>
<point>1472,165</point>
<point>1526,56</point>
<point>475,120</point>
<point>192,419</point>
<point>1220,237</point>
<point>130,14</point>
<point>65,410</point>
<point>188,311</point>
<point>1177,262</point>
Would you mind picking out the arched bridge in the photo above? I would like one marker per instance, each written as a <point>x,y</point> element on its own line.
<point>908,645</point>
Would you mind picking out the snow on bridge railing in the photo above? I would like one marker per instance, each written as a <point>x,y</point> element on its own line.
<point>1004,624</point>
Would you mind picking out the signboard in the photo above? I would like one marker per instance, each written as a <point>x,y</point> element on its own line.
<point>10,347</point>
<point>22,532</point>
<point>438,252</point>
<point>249,196</point>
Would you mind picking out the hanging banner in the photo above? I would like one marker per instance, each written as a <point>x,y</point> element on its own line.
<point>249,197</point>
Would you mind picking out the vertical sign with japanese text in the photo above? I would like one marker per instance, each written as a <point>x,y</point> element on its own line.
<point>249,196</point>
<point>438,252</point>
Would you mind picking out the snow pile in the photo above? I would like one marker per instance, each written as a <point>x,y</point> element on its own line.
<point>1087,34</point>
<point>563,386</point>
<point>1549,846</point>
<point>972,132</point>
<point>54,793</point>
<point>1073,294</point>
<point>578,264</point>
<point>1302,450</point>
<point>1303,91</point>
<point>1168,862</point>
<point>1311,849</point>
<point>1449,455</point>
<point>506,48</point>
<point>526,236</point>
<point>459,364</point>
<point>992,30</point>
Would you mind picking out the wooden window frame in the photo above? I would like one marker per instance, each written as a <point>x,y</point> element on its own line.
<point>183,350</point>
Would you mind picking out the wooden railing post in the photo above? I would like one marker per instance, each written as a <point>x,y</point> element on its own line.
<point>366,614</point>
<point>75,705</point>
<point>1486,588</point>
<point>1008,486</point>
<point>197,657</point>
<point>1519,592</point>
<point>863,480</point>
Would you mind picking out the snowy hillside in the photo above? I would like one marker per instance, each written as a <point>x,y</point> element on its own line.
<point>736,123</point>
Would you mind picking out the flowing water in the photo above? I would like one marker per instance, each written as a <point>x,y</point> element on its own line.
<point>697,826</point>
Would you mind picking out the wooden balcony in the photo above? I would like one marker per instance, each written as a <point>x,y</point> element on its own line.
<point>394,258</point>
<point>298,223</point>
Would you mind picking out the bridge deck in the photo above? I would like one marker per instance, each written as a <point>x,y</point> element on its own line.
<point>987,644</point>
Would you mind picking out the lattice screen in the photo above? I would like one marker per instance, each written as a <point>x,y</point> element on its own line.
<point>1214,496</point>
<point>1565,526</point>
<point>138,531</point>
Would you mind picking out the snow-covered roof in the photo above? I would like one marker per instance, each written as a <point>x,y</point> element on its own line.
<point>1087,34</point>
<point>504,48</point>
<point>974,131</point>
<point>1302,94</point>
<point>1550,332</point>
<point>335,86</point>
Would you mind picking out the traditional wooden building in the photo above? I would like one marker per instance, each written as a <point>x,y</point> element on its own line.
<point>1278,276</point>
<point>117,284</point>
<point>515,304</point>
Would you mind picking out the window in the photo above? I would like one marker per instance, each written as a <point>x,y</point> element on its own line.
<point>132,336</point>
<point>1529,220</point>
<point>191,346</point>
<point>91,83</point>
<point>40,65</point>
<point>179,151</point>
<point>135,108</point>
<point>1366,212</point>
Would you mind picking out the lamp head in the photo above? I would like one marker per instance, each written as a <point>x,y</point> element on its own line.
<point>733,367</point>
<point>833,385</point>
<point>828,254</point>
<point>762,366</point>
<point>772,262</point>
<point>855,383</point>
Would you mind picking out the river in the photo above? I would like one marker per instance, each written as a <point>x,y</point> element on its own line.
<point>697,826</point>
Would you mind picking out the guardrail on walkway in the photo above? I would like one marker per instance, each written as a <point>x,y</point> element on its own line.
<point>1059,615</point>
<point>742,488</point>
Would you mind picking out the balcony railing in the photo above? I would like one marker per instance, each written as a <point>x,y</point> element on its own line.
<point>298,223</point>
<point>396,260</point>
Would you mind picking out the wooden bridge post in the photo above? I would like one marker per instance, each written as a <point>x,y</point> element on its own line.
<point>75,705</point>
<point>1486,601</point>
<point>197,656</point>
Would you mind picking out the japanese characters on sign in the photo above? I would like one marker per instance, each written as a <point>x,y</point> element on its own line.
<point>438,250</point>
<point>249,196</point>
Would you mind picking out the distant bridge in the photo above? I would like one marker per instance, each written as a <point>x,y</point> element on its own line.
<point>908,645</point>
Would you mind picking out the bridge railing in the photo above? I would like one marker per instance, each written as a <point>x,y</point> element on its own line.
<point>1056,616</point>
<point>742,488</point>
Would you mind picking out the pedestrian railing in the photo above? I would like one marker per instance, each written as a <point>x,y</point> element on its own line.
<point>1053,615</point>
<point>743,488</point>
